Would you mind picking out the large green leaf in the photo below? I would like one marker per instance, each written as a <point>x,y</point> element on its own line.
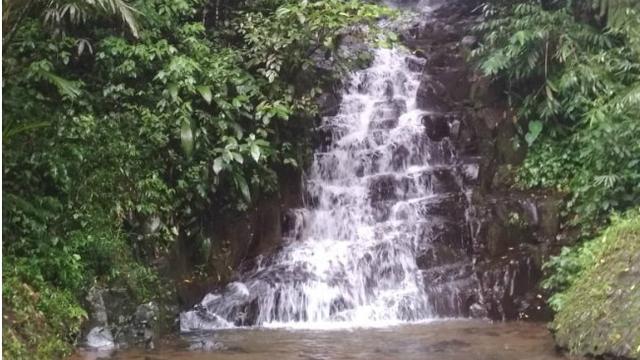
<point>186,137</point>
<point>535,128</point>
<point>205,91</point>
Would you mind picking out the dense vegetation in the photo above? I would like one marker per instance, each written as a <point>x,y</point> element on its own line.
<point>125,124</point>
<point>571,69</point>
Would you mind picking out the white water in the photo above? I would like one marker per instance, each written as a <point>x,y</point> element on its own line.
<point>350,261</point>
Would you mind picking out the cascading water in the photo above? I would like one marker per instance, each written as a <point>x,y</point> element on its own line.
<point>351,257</point>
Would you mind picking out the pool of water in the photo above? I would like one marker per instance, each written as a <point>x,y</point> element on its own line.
<point>441,340</point>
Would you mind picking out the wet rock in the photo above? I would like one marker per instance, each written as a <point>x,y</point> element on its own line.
<point>498,239</point>
<point>415,63</point>
<point>207,345</point>
<point>503,176</point>
<point>98,315</point>
<point>388,89</point>
<point>382,188</point>
<point>146,314</point>
<point>400,157</point>
<point>451,206</point>
<point>436,126</point>
<point>100,337</point>
<point>456,81</point>
<point>454,129</point>
<point>510,150</point>
<point>442,180</point>
<point>470,173</point>
<point>469,42</point>
<point>328,103</point>
<point>387,114</point>
<point>477,311</point>
<point>437,255</point>
<point>432,96</point>
<point>549,213</point>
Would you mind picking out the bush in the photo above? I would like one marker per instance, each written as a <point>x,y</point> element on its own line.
<point>576,84</point>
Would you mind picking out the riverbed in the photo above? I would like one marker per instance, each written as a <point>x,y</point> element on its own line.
<point>438,340</point>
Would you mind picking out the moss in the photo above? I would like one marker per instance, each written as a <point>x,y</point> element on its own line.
<point>38,323</point>
<point>600,312</point>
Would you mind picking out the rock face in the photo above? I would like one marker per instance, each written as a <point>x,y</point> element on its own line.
<point>487,260</point>
<point>116,322</point>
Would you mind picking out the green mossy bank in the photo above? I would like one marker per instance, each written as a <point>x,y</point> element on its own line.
<point>599,314</point>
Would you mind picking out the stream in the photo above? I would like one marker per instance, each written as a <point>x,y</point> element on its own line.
<point>440,340</point>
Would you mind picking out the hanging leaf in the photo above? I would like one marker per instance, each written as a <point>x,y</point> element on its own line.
<point>186,137</point>
<point>535,128</point>
<point>255,152</point>
<point>173,91</point>
<point>205,91</point>
<point>242,185</point>
<point>218,164</point>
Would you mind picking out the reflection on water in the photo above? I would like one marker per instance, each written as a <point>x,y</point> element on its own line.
<point>442,340</point>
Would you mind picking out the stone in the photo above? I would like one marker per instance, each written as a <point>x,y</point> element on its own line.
<point>388,89</point>
<point>208,345</point>
<point>382,188</point>
<point>436,127</point>
<point>432,96</point>
<point>497,238</point>
<point>146,314</point>
<point>454,129</point>
<point>100,337</point>
<point>509,149</point>
<point>387,114</point>
<point>477,311</point>
<point>415,63</point>
<point>549,216</point>
<point>328,104</point>
<point>98,315</point>
<point>400,157</point>
<point>469,42</point>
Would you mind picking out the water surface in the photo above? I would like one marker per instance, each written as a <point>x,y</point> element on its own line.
<point>441,340</point>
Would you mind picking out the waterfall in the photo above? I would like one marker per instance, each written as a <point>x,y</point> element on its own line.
<point>376,188</point>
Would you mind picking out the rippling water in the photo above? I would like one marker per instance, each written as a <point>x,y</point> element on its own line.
<point>441,340</point>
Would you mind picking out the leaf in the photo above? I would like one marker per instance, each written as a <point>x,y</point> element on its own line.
<point>301,17</point>
<point>9,133</point>
<point>173,91</point>
<point>218,164</point>
<point>242,185</point>
<point>535,128</point>
<point>65,87</point>
<point>238,129</point>
<point>205,91</point>
<point>186,137</point>
<point>255,152</point>
<point>238,157</point>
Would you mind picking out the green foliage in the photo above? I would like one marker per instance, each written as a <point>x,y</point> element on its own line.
<point>577,88</point>
<point>39,321</point>
<point>565,268</point>
<point>572,68</point>
<point>598,308</point>
<point>116,143</point>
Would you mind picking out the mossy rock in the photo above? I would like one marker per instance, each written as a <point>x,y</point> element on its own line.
<point>600,314</point>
